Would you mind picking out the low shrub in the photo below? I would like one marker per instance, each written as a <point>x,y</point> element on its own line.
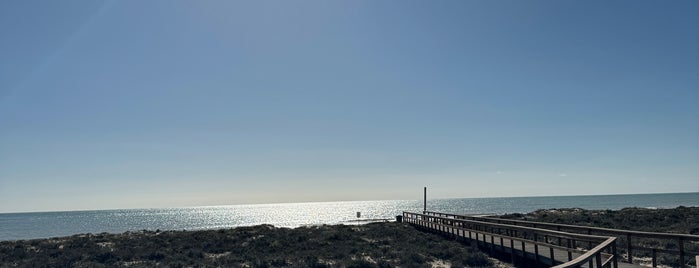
<point>370,245</point>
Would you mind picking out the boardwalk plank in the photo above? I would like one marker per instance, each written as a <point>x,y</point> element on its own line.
<point>492,243</point>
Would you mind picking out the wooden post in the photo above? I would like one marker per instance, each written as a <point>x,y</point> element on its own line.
<point>558,228</point>
<point>655,256</point>
<point>553,260</point>
<point>615,262</point>
<point>536,249</point>
<point>628,248</point>
<point>681,241</point>
<point>589,244</point>
<point>570,254</point>
<point>424,204</point>
<point>512,250</point>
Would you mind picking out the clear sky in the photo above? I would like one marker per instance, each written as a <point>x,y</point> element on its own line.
<point>182,103</point>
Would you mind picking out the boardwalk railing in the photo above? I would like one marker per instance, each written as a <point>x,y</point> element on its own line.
<point>524,244</point>
<point>633,243</point>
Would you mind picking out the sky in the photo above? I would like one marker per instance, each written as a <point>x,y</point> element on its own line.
<point>139,104</point>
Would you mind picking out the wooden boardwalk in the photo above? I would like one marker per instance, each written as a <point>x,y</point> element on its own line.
<point>493,245</point>
<point>635,245</point>
<point>541,244</point>
<point>525,246</point>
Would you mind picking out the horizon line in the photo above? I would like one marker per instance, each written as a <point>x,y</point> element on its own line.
<point>334,201</point>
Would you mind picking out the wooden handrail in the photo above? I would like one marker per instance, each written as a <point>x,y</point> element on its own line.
<point>584,237</point>
<point>585,228</point>
<point>626,234</point>
<point>448,222</point>
<point>516,239</point>
<point>592,253</point>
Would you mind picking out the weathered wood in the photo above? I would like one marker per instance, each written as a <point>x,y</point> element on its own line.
<point>614,260</point>
<point>629,248</point>
<point>595,252</point>
<point>570,253</point>
<point>553,259</point>
<point>627,235</point>
<point>492,244</point>
<point>681,244</point>
<point>581,229</point>
<point>424,210</point>
<point>536,253</point>
<point>512,251</point>
<point>528,237</point>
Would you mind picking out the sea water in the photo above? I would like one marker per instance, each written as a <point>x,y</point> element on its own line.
<point>14,226</point>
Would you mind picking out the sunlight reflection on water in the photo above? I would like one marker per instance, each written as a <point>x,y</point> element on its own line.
<point>48,224</point>
<point>51,224</point>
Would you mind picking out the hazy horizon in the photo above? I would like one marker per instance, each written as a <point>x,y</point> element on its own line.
<point>130,104</point>
<point>341,201</point>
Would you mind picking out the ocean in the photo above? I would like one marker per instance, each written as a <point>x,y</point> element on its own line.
<point>16,226</point>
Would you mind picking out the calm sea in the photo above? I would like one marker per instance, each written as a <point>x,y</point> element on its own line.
<point>14,226</point>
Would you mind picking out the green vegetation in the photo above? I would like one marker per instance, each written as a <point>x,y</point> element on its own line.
<point>683,220</point>
<point>370,245</point>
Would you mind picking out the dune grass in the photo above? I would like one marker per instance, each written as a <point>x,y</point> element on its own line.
<point>370,245</point>
<point>683,220</point>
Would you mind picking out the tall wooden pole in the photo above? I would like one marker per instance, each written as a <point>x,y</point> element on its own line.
<point>424,207</point>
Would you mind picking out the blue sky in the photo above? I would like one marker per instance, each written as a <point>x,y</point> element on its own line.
<point>180,103</point>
